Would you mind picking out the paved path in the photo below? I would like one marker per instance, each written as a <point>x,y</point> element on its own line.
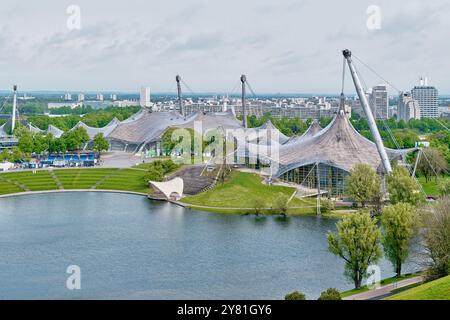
<point>384,291</point>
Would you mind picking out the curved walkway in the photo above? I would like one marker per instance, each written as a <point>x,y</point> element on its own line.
<point>384,291</point>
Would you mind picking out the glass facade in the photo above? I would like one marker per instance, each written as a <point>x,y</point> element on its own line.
<point>332,179</point>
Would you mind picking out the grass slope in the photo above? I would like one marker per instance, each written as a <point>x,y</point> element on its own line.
<point>114,179</point>
<point>241,190</point>
<point>435,290</point>
<point>431,187</point>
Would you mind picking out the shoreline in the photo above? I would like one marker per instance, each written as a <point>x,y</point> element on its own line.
<point>26,193</point>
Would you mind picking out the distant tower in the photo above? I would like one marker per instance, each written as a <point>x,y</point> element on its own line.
<point>427,97</point>
<point>145,97</point>
<point>13,122</point>
<point>180,98</point>
<point>244,111</point>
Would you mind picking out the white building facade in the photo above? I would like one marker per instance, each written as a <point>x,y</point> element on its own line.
<point>407,108</point>
<point>427,97</point>
<point>144,100</point>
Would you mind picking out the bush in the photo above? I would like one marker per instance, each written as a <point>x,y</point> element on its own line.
<point>281,204</point>
<point>258,205</point>
<point>330,294</point>
<point>295,296</point>
<point>326,205</point>
<point>444,187</point>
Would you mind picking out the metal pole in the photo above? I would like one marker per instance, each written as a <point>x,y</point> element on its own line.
<point>318,187</point>
<point>417,162</point>
<point>13,123</point>
<point>370,119</point>
<point>180,99</point>
<point>244,111</point>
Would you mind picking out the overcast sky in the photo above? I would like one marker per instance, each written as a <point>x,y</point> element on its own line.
<point>281,45</point>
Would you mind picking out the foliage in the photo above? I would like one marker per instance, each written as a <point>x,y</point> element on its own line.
<point>363,183</point>
<point>100,143</point>
<point>357,241</point>
<point>330,294</point>
<point>258,205</point>
<point>295,296</point>
<point>402,187</point>
<point>436,234</point>
<point>281,204</point>
<point>399,226</point>
<point>444,187</point>
<point>158,169</point>
<point>432,163</point>
<point>75,139</point>
<point>326,205</point>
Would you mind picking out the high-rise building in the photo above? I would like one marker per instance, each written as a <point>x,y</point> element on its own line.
<point>145,97</point>
<point>113,97</point>
<point>379,101</point>
<point>99,97</point>
<point>80,97</point>
<point>67,97</point>
<point>407,108</point>
<point>427,97</point>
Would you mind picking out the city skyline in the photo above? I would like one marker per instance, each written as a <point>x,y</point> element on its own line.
<point>122,46</point>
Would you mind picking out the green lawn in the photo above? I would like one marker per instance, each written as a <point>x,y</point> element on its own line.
<point>87,178</point>
<point>431,187</point>
<point>382,283</point>
<point>435,290</point>
<point>241,190</point>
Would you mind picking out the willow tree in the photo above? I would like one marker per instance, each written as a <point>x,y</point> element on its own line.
<point>357,241</point>
<point>399,226</point>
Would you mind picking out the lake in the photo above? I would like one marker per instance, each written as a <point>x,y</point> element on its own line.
<point>128,247</point>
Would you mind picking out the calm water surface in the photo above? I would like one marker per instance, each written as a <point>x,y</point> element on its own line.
<point>129,247</point>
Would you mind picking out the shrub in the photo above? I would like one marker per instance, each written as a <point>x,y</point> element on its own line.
<point>330,294</point>
<point>444,187</point>
<point>258,205</point>
<point>326,205</point>
<point>295,296</point>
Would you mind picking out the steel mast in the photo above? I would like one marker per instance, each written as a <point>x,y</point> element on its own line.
<point>13,122</point>
<point>370,119</point>
<point>244,111</point>
<point>180,98</point>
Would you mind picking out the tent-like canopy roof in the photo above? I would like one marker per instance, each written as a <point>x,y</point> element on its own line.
<point>92,131</point>
<point>209,121</point>
<point>339,145</point>
<point>314,128</point>
<point>145,126</point>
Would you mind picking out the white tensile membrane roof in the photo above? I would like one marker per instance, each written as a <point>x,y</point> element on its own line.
<point>338,145</point>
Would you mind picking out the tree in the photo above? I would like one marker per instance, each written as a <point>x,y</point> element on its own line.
<point>26,142</point>
<point>258,205</point>
<point>326,205</point>
<point>436,234</point>
<point>100,143</point>
<point>399,226</point>
<point>357,241</point>
<point>402,187</point>
<point>363,183</point>
<point>295,296</point>
<point>431,162</point>
<point>281,204</point>
<point>330,294</point>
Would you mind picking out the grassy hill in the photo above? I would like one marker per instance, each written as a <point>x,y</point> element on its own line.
<point>241,190</point>
<point>435,290</point>
<point>111,179</point>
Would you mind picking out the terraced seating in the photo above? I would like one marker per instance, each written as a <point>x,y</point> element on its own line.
<point>194,182</point>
